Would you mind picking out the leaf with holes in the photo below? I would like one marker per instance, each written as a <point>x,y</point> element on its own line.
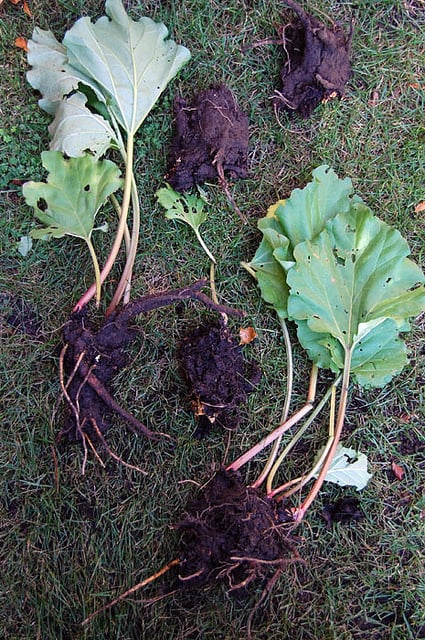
<point>354,286</point>
<point>75,190</point>
<point>76,130</point>
<point>187,208</point>
<point>348,468</point>
<point>129,76</point>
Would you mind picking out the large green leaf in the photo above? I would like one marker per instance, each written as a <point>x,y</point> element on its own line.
<point>306,212</point>
<point>301,217</point>
<point>354,283</point>
<point>75,190</point>
<point>128,64</point>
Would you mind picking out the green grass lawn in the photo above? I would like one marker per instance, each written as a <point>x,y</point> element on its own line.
<point>71,542</point>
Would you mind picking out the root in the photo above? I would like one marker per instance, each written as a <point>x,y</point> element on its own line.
<point>267,589</point>
<point>111,453</point>
<point>127,593</point>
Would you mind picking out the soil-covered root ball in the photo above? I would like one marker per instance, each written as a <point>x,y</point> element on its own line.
<point>92,356</point>
<point>233,533</point>
<point>317,67</point>
<point>210,141</point>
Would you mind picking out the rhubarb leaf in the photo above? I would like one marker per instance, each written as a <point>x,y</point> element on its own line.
<point>301,217</point>
<point>345,286</point>
<point>75,190</point>
<point>49,73</point>
<point>76,130</point>
<point>128,64</point>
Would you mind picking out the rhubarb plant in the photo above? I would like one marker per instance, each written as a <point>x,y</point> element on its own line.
<point>343,276</point>
<point>99,96</point>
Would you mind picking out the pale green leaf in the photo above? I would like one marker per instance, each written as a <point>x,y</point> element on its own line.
<point>75,190</point>
<point>128,64</point>
<point>348,468</point>
<point>76,130</point>
<point>24,245</point>
<point>49,74</point>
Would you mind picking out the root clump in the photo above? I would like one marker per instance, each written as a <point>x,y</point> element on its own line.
<point>210,141</point>
<point>233,533</point>
<point>92,357</point>
<point>317,66</point>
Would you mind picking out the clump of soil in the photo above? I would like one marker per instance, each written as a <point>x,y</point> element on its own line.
<point>317,66</point>
<point>210,141</point>
<point>91,358</point>
<point>346,509</point>
<point>218,376</point>
<point>232,533</point>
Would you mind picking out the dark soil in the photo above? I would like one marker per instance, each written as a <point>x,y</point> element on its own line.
<point>345,509</point>
<point>210,141</point>
<point>218,376</point>
<point>91,358</point>
<point>20,316</point>
<point>232,533</point>
<point>317,66</point>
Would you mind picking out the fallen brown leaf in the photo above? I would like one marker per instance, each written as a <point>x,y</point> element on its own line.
<point>397,471</point>
<point>420,207</point>
<point>25,6</point>
<point>21,43</point>
<point>247,335</point>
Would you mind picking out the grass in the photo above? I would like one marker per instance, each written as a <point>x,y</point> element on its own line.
<point>70,543</point>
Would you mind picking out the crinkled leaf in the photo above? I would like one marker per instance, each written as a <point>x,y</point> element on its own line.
<point>301,217</point>
<point>306,212</point>
<point>346,284</point>
<point>186,208</point>
<point>76,130</point>
<point>128,64</point>
<point>49,74</point>
<point>348,468</point>
<point>75,190</point>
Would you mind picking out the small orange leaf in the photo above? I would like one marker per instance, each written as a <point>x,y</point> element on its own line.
<point>26,9</point>
<point>247,335</point>
<point>22,43</point>
<point>397,471</point>
<point>420,207</point>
